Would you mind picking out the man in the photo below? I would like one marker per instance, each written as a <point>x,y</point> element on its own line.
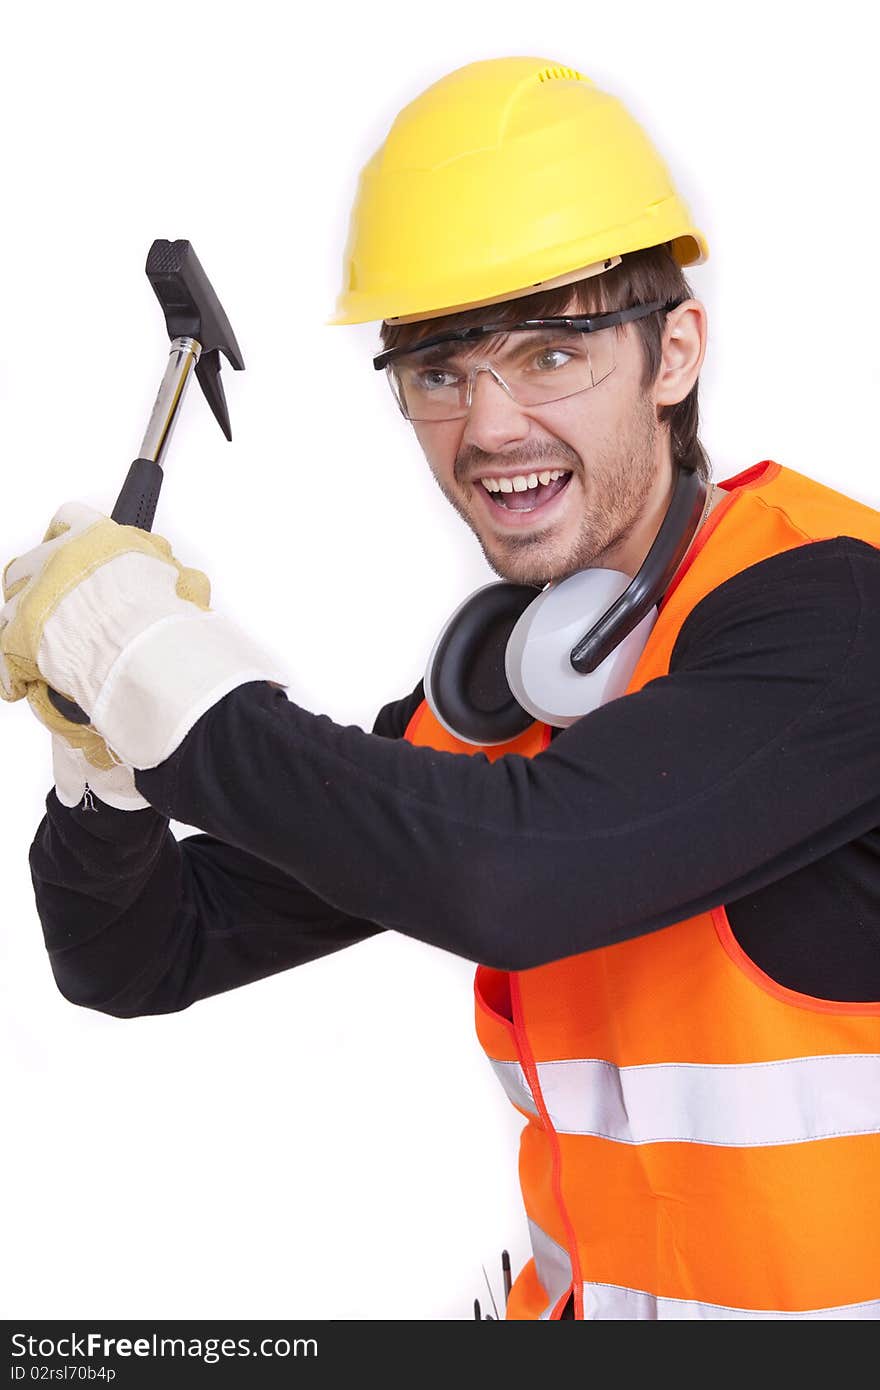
<point>673,893</point>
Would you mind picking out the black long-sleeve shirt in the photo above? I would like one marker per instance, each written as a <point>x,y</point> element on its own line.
<point>749,776</point>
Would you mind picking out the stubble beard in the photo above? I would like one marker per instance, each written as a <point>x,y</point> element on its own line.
<point>621,475</point>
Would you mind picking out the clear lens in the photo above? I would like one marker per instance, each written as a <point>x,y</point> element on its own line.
<point>534,367</point>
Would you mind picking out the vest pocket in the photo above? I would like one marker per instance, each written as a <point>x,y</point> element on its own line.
<point>492,1014</point>
<point>492,988</point>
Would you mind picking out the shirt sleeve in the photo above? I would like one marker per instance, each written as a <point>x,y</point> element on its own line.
<point>755,755</point>
<point>137,922</point>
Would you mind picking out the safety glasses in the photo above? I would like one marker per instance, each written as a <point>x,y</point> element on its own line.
<point>536,361</point>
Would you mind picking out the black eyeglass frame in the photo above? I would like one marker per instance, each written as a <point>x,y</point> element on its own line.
<point>582,323</point>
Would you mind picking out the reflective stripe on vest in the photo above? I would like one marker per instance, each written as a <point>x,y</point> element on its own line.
<point>785,1102</point>
<point>552,1265</point>
<point>700,1142</point>
<point>605,1301</point>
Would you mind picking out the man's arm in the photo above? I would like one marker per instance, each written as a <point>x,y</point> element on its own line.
<point>756,755</point>
<point>138,922</point>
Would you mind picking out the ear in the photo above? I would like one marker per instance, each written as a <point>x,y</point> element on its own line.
<point>684,347</point>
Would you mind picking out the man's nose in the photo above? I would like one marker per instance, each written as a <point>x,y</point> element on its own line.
<point>495,419</point>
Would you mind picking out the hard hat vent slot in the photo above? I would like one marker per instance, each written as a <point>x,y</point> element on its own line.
<point>549,73</point>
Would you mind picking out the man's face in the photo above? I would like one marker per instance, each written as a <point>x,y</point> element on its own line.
<point>605,441</point>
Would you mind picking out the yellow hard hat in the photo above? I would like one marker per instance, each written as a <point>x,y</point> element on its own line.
<point>504,177</point>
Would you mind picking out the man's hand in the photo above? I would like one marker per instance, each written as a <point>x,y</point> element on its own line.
<point>105,615</point>
<point>24,618</point>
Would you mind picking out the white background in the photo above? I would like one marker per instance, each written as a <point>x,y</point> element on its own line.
<point>331,1142</point>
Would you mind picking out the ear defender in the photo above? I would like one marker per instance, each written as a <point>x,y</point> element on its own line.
<point>511,653</point>
<point>466,684</point>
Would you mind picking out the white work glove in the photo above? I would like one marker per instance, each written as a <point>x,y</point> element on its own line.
<point>78,782</point>
<point>105,615</point>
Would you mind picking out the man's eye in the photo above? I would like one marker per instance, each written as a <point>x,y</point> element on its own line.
<point>434,379</point>
<point>551,359</point>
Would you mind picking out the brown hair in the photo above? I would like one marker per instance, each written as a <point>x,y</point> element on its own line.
<point>641,277</point>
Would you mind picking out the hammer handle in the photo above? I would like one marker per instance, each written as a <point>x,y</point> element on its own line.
<point>136,503</point>
<point>135,506</point>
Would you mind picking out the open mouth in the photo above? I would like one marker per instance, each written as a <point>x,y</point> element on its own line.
<point>528,491</point>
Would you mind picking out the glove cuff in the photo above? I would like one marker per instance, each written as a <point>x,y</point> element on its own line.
<point>74,774</point>
<point>164,680</point>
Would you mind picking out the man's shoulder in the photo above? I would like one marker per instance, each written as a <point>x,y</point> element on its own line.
<point>816,510</point>
<point>393,719</point>
<point>815,595</point>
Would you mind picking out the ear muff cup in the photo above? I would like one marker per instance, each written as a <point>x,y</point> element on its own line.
<point>465,682</point>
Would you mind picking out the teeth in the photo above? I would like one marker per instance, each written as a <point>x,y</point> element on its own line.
<point>524,481</point>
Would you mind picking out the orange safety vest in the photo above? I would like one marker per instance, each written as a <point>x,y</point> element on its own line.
<point>701,1142</point>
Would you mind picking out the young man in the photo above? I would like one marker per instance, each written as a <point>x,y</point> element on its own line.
<point>669,876</point>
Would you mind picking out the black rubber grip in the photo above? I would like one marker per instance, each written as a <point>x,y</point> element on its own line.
<point>135,506</point>
<point>136,503</point>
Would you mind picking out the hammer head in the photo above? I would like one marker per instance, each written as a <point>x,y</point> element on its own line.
<point>192,310</point>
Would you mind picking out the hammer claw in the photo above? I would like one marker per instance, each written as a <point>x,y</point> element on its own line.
<point>208,377</point>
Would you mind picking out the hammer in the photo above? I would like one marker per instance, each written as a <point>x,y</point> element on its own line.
<point>199,331</point>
